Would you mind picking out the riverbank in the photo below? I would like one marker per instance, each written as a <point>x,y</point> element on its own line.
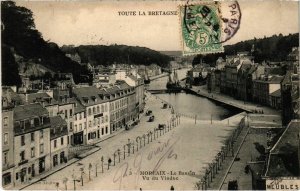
<point>222,98</point>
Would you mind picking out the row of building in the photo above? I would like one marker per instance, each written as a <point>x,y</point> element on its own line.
<point>42,129</point>
<point>265,83</point>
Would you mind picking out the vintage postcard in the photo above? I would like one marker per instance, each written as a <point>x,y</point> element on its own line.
<point>150,95</point>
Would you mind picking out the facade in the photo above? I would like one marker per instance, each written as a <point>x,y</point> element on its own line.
<point>80,124</point>
<point>96,104</point>
<point>7,146</point>
<point>290,95</point>
<point>264,87</point>
<point>31,141</point>
<point>122,105</point>
<point>59,146</point>
<point>275,99</point>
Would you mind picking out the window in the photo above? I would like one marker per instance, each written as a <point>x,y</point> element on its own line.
<point>102,108</point>
<point>5,121</point>
<point>80,117</point>
<point>75,117</point>
<point>41,148</point>
<point>102,131</point>
<point>22,140</point>
<point>31,122</point>
<point>75,127</point>
<point>32,137</point>
<point>90,124</point>
<point>22,155</point>
<point>84,115</point>
<point>55,143</point>
<point>106,130</point>
<point>94,110</point>
<point>41,134</point>
<point>71,125</point>
<point>106,118</point>
<point>32,152</point>
<point>5,157</point>
<point>66,114</point>
<point>90,111</point>
<point>84,125</point>
<point>71,112</point>
<point>80,127</point>
<point>62,141</point>
<point>98,109</point>
<point>5,138</point>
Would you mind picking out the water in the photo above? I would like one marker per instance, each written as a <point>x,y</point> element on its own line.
<point>194,105</point>
<point>191,104</point>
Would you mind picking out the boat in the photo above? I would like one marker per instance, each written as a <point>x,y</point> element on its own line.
<point>146,79</point>
<point>173,85</point>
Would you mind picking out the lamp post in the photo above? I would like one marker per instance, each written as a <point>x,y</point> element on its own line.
<point>96,169</point>
<point>119,153</point>
<point>102,160</point>
<point>65,181</point>
<point>124,151</point>
<point>151,135</point>
<point>90,168</point>
<point>114,158</point>
<point>144,137</point>
<point>132,147</point>
<point>81,175</point>
<point>148,137</point>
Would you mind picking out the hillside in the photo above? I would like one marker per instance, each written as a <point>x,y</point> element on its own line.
<point>274,48</point>
<point>19,36</point>
<point>107,55</point>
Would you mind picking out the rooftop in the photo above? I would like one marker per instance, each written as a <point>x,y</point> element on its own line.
<point>283,160</point>
<point>27,111</point>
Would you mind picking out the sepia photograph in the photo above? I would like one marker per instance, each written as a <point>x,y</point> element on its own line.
<point>150,95</point>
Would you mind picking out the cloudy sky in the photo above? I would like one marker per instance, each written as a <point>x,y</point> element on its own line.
<point>99,22</point>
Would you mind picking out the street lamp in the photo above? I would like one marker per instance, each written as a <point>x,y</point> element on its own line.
<point>119,153</point>
<point>81,175</point>
<point>151,135</point>
<point>102,160</point>
<point>148,137</point>
<point>90,168</point>
<point>144,137</point>
<point>124,151</point>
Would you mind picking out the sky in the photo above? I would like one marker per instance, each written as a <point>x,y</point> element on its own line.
<point>98,22</point>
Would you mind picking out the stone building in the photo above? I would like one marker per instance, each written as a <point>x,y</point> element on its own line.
<point>31,141</point>
<point>290,94</point>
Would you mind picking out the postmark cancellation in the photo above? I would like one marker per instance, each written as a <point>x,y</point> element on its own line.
<point>201,28</point>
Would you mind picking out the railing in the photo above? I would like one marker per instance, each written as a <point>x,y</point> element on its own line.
<point>227,150</point>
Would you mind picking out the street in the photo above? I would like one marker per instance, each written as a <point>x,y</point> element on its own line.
<point>180,154</point>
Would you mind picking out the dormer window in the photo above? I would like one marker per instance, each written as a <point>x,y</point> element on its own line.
<point>94,98</point>
<point>85,99</point>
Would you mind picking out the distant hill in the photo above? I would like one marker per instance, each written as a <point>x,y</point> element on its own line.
<point>172,53</point>
<point>274,48</point>
<point>107,55</point>
<point>19,36</point>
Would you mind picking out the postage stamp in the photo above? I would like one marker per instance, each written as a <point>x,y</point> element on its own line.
<point>201,28</point>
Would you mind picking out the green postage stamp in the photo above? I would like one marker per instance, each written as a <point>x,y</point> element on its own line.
<point>201,28</point>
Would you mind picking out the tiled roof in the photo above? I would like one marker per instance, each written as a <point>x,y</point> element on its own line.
<point>28,111</point>
<point>57,121</point>
<point>277,93</point>
<point>58,127</point>
<point>79,107</point>
<point>283,159</point>
<point>90,94</point>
